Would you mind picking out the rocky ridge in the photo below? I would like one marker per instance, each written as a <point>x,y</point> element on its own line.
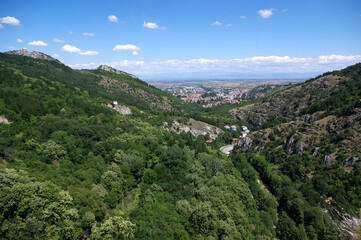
<point>31,53</point>
<point>113,70</point>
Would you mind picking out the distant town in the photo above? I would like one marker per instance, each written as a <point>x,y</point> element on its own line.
<point>208,96</point>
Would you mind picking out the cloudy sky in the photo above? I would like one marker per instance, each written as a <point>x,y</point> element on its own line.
<point>189,38</point>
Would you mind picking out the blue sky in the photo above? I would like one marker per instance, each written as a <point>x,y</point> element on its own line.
<point>190,38</point>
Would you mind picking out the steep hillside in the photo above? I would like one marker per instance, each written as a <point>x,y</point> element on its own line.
<point>324,112</point>
<point>307,98</point>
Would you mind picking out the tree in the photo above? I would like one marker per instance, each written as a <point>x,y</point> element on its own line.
<point>113,228</point>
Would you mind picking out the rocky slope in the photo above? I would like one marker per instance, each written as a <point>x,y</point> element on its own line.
<point>323,119</point>
<point>31,53</point>
<point>197,128</point>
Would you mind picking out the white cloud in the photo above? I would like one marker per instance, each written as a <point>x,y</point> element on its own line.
<point>284,10</point>
<point>126,47</point>
<point>19,40</point>
<point>89,53</point>
<point>266,13</point>
<point>1,26</point>
<point>135,53</point>
<point>55,55</point>
<point>257,64</point>
<point>58,40</point>
<point>216,23</point>
<point>153,25</point>
<point>70,33</point>
<point>113,18</point>
<point>73,49</point>
<point>88,34</point>
<point>70,49</point>
<point>37,43</point>
<point>243,17</point>
<point>10,20</point>
<point>229,25</point>
<point>11,47</point>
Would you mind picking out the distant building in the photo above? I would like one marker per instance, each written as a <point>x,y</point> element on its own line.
<point>234,127</point>
<point>115,102</point>
<point>227,127</point>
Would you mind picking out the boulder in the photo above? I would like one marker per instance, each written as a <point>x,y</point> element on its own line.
<point>330,160</point>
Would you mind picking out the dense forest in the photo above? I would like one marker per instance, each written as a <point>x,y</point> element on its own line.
<point>73,168</point>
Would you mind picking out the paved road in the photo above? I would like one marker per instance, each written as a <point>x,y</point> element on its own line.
<point>226,149</point>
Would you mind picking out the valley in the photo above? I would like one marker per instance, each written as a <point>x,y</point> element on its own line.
<point>101,154</point>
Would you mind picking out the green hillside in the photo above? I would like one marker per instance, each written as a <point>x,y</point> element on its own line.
<point>73,168</point>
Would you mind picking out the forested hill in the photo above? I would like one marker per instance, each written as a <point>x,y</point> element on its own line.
<point>71,167</point>
<point>100,83</point>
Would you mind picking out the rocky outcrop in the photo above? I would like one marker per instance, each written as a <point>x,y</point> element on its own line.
<point>31,53</point>
<point>307,118</point>
<point>330,160</point>
<point>315,151</point>
<point>197,128</point>
<point>350,162</point>
<point>299,149</point>
<point>113,70</point>
<point>123,110</point>
<point>245,143</point>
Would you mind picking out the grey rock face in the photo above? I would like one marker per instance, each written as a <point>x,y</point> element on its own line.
<point>307,118</point>
<point>123,110</point>
<point>350,162</point>
<point>245,142</point>
<point>32,54</point>
<point>299,149</point>
<point>315,151</point>
<point>113,70</point>
<point>330,159</point>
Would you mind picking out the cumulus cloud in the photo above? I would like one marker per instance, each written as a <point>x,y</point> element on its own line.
<point>55,55</point>
<point>216,23</point>
<point>70,49</point>
<point>113,18</point>
<point>88,34</point>
<point>135,53</point>
<point>19,40</point>
<point>243,17</point>
<point>153,25</point>
<point>58,40</point>
<point>256,64</point>
<point>126,47</point>
<point>266,13</point>
<point>10,20</point>
<point>89,53</point>
<point>37,43</point>
<point>73,49</point>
